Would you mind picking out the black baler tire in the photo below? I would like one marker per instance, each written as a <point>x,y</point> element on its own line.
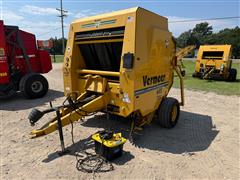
<point>26,82</point>
<point>165,112</point>
<point>232,75</point>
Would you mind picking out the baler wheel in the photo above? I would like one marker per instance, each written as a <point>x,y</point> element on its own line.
<point>168,112</point>
<point>194,74</point>
<point>34,85</point>
<point>232,75</point>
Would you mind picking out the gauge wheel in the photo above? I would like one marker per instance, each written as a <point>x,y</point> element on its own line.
<point>168,112</point>
<point>34,86</point>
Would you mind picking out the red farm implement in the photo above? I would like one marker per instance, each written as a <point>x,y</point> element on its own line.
<point>22,63</point>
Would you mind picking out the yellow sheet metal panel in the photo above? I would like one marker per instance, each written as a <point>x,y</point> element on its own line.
<point>107,15</point>
<point>154,53</point>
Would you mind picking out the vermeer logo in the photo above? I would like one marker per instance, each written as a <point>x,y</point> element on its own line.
<point>147,81</point>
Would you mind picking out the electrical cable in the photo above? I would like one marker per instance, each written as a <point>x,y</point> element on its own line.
<point>92,163</point>
<point>49,31</point>
<point>89,163</point>
<point>181,21</point>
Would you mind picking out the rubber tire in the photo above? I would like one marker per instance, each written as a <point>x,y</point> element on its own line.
<point>194,74</point>
<point>26,83</point>
<point>164,112</point>
<point>232,75</point>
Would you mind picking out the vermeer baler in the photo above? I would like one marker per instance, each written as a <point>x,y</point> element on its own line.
<point>214,62</point>
<point>22,63</point>
<point>121,63</point>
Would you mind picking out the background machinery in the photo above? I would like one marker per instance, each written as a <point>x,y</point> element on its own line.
<point>21,63</point>
<point>214,62</point>
<point>121,63</point>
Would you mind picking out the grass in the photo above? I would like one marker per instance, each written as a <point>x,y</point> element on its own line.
<point>219,87</point>
<point>59,58</point>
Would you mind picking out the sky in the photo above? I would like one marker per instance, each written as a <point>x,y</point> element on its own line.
<point>41,17</point>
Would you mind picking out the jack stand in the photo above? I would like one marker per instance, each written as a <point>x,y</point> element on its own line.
<point>64,151</point>
<point>131,139</point>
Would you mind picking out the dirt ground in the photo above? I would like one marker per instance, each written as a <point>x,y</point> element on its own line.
<point>203,145</point>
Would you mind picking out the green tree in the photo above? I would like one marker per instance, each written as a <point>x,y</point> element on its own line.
<point>185,39</point>
<point>202,29</point>
<point>57,43</point>
<point>228,36</point>
<point>203,34</point>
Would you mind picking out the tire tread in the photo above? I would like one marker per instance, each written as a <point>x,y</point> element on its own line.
<point>165,110</point>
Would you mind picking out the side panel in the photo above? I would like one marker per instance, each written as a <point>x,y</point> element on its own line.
<point>154,53</point>
<point>45,61</point>
<point>127,76</point>
<point>73,61</point>
<point>29,43</point>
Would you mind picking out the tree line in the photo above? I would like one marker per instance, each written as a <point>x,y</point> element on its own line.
<point>57,46</point>
<point>201,34</point>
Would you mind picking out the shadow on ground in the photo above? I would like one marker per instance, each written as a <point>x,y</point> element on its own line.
<point>19,102</point>
<point>193,133</point>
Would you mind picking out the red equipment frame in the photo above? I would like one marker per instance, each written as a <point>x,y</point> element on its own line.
<point>19,54</point>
